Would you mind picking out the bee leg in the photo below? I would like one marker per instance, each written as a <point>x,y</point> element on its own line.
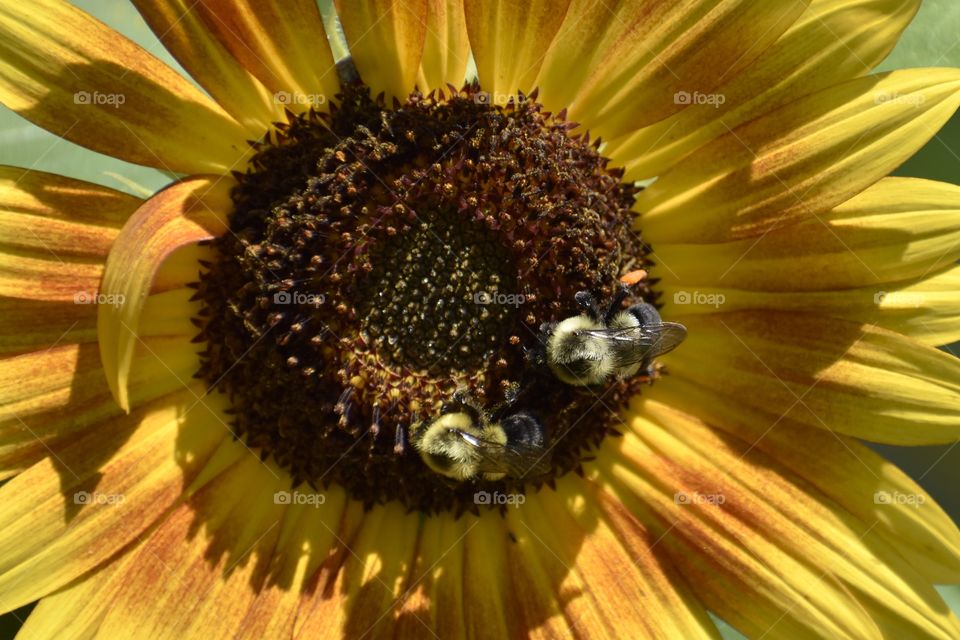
<point>614,308</point>
<point>511,394</point>
<point>535,355</point>
<point>645,313</point>
<point>588,303</point>
<point>400,440</point>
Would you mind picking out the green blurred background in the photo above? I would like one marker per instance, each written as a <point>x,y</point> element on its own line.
<point>933,39</point>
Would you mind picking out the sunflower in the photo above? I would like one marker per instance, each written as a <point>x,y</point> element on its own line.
<point>215,401</point>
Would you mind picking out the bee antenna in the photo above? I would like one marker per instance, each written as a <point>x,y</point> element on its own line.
<point>587,302</point>
<point>618,298</point>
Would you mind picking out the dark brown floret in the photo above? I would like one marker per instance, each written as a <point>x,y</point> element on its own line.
<point>379,259</point>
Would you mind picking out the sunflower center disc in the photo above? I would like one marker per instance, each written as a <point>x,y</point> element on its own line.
<point>380,259</point>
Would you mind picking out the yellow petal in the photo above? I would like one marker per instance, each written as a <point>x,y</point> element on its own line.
<point>283,44</point>
<point>306,533</point>
<point>734,517</point>
<point>623,67</point>
<point>69,513</point>
<point>508,40</point>
<point>897,230</point>
<point>446,49</point>
<point>435,601</point>
<point>180,27</point>
<point>841,470</point>
<point>591,564</point>
<point>386,40</point>
<point>76,77</point>
<point>834,40</point>
<point>927,309</point>
<point>367,579</point>
<point>185,213</point>
<point>74,612</point>
<point>801,160</point>
<point>169,313</point>
<point>486,571</point>
<point>828,373</point>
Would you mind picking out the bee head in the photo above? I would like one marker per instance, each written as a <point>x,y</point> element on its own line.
<point>443,448</point>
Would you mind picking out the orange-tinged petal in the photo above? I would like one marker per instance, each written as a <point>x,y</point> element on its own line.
<point>828,373</point>
<point>51,396</point>
<point>509,40</point>
<point>841,469</point>
<point>70,217</point>
<point>834,40</point>
<point>74,76</point>
<point>55,233</point>
<point>446,49</point>
<point>733,502</point>
<point>597,569</point>
<point>283,44</point>
<point>180,26</point>
<point>36,278</point>
<point>27,325</point>
<point>216,547</point>
<point>625,66</point>
<point>386,40</point>
<point>98,494</point>
<point>184,213</point>
<point>801,160</point>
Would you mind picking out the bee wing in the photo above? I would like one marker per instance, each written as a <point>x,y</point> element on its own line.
<point>516,460</point>
<point>636,344</point>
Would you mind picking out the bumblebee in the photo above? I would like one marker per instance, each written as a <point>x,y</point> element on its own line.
<point>595,346</point>
<point>467,443</point>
